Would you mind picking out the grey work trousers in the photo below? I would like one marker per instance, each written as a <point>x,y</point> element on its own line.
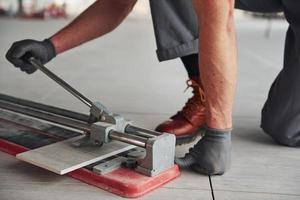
<point>176,32</point>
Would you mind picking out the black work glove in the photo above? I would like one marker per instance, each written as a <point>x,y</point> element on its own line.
<point>20,51</point>
<point>211,155</point>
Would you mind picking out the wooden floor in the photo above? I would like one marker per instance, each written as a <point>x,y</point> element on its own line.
<point>122,72</point>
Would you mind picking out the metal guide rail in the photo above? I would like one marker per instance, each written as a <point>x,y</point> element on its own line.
<point>101,126</point>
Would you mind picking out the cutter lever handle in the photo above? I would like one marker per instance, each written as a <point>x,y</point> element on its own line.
<point>61,82</point>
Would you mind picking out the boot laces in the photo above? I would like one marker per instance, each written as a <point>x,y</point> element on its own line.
<point>196,101</point>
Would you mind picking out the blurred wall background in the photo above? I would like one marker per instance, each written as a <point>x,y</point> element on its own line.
<point>45,9</point>
<point>58,8</point>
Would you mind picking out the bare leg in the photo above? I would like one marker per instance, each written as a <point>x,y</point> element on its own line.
<point>211,155</point>
<point>217,59</point>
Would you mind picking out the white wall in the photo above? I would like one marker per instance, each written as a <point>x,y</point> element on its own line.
<point>74,7</point>
<point>141,9</point>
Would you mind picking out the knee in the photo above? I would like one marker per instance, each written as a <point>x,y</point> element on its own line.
<point>283,132</point>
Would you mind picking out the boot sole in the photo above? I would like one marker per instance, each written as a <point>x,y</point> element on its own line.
<point>186,139</point>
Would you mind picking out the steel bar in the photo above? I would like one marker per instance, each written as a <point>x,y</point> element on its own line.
<point>79,125</point>
<point>141,134</point>
<point>127,138</point>
<point>132,129</point>
<point>72,123</point>
<point>83,126</point>
<point>61,82</point>
<point>43,107</point>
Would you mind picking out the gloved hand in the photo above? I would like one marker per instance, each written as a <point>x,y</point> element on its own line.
<point>211,155</point>
<point>20,51</point>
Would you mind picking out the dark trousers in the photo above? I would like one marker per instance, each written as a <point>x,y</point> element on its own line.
<point>176,31</point>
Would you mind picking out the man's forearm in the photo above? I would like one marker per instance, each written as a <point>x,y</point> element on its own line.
<point>217,59</point>
<point>100,18</point>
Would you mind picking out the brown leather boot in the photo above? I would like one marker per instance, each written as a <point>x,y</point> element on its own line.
<point>187,123</point>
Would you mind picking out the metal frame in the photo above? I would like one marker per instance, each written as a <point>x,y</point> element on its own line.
<point>101,126</point>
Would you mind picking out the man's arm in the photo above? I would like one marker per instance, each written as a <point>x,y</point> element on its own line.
<point>100,18</point>
<point>218,66</point>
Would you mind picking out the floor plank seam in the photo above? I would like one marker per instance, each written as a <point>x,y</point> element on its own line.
<point>236,191</point>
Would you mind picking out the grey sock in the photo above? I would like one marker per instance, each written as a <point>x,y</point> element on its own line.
<point>211,155</point>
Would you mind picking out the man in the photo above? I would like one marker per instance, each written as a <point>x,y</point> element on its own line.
<point>281,112</point>
<point>211,155</point>
<point>184,45</point>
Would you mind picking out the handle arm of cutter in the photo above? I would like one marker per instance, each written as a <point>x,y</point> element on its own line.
<point>96,109</point>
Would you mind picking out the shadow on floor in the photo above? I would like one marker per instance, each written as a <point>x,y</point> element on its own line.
<point>254,135</point>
